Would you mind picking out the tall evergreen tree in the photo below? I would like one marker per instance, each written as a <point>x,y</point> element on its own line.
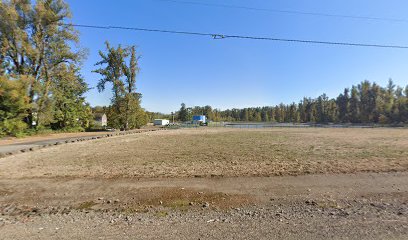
<point>365,103</point>
<point>183,113</point>
<point>354,106</point>
<point>343,104</point>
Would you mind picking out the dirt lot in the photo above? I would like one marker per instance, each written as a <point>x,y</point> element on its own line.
<point>212,184</point>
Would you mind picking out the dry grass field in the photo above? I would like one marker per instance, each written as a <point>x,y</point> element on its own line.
<point>220,152</point>
<point>211,183</point>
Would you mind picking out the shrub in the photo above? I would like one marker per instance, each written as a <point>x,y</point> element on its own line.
<point>12,127</point>
<point>13,106</point>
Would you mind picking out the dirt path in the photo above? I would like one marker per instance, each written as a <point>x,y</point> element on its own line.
<point>18,145</point>
<point>357,206</point>
<point>45,137</point>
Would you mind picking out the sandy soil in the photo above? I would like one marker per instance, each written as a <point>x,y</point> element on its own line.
<point>211,184</point>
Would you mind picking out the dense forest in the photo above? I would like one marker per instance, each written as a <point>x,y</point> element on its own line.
<point>365,103</point>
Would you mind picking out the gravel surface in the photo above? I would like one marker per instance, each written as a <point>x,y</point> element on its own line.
<point>297,221</point>
<point>351,206</point>
<point>10,146</point>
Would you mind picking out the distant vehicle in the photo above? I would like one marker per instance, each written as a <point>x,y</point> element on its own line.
<point>161,122</point>
<point>200,119</point>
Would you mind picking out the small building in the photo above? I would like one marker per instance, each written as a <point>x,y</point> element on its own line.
<point>102,120</point>
<point>199,119</point>
<point>161,122</point>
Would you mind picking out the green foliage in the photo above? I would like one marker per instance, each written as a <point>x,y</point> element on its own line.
<point>125,111</point>
<point>70,109</point>
<point>151,116</point>
<point>12,127</point>
<point>13,105</point>
<point>183,113</point>
<point>136,117</point>
<point>365,103</point>
<point>35,43</point>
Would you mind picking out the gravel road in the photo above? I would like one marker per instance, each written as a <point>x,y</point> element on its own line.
<point>335,206</point>
<point>20,145</point>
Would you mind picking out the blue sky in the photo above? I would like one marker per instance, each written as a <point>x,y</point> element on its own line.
<point>242,73</point>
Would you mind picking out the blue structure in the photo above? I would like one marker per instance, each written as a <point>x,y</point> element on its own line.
<point>199,119</point>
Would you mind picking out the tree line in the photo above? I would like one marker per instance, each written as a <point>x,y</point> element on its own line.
<point>364,103</point>
<point>40,82</point>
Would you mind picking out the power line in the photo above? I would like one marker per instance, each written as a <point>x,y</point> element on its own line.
<point>225,36</point>
<point>286,11</point>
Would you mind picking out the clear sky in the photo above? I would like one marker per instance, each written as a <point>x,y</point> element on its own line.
<point>242,73</point>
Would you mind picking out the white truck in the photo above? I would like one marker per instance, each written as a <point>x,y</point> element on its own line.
<point>161,122</point>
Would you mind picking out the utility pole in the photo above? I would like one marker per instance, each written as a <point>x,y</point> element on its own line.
<point>172,114</point>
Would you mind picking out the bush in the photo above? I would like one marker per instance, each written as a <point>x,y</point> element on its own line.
<point>13,106</point>
<point>12,127</point>
<point>383,119</point>
<point>73,129</point>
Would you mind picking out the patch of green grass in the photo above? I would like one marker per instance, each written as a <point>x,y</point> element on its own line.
<point>330,204</point>
<point>178,204</point>
<point>161,214</point>
<point>86,205</point>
